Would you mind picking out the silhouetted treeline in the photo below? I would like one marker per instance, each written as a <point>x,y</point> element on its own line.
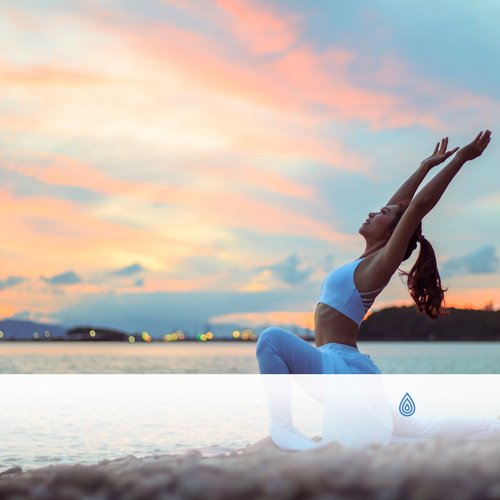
<point>404,323</point>
<point>83,333</point>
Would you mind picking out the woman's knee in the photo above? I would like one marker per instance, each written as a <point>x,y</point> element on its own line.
<point>267,339</point>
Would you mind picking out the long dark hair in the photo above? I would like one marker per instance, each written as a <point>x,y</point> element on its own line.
<point>424,282</point>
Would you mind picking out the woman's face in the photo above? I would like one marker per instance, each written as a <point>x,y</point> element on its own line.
<point>377,224</point>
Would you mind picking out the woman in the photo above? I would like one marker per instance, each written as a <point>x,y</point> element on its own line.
<point>391,235</point>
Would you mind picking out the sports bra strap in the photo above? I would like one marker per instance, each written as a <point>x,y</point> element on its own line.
<point>373,291</point>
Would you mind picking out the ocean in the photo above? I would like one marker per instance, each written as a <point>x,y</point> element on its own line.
<point>231,357</point>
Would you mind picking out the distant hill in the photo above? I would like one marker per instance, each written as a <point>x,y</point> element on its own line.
<point>24,330</point>
<point>393,323</point>
<point>94,334</point>
<point>404,323</point>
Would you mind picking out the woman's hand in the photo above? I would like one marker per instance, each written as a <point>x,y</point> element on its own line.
<point>439,155</point>
<point>476,147</point>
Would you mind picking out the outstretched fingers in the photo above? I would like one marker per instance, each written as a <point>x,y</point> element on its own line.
<point>484,140</point>
<point>486,136</point>
<point>478,137</point>
<point>444,145</point>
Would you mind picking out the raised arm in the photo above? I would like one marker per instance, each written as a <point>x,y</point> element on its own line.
<point>392,254</point>
<point>410,186</point>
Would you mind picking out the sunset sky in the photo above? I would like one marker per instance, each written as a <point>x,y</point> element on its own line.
<point>172,163</point>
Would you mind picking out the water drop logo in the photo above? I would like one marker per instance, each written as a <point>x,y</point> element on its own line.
<point>407,406</point>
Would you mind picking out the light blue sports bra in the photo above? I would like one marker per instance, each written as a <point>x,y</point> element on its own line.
<point>339,291</point>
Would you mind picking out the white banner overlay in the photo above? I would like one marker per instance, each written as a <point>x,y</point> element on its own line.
<point>86,418</point>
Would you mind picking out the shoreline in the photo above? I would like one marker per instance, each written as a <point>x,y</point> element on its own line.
<point>439,468</point>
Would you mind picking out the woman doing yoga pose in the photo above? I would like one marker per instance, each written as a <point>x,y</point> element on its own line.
<point>390,235</point>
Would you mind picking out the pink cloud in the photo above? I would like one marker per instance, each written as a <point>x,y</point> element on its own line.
<point>303,88</point>
<point>61,170</point>
<point>245,175</point>
<point>324,79</point>
<point>238,210</point>
<point>209,206</point>
<point>261,29</point>
<point>294,83</point>
<point>258,25</point>
<point>437,100</point>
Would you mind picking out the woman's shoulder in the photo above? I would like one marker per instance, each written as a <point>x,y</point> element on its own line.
<point>369,275</point>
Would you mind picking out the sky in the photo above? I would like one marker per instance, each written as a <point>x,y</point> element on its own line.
<point>177,163</point>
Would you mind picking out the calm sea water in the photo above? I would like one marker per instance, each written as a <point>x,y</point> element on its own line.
<point>229,357</point>
<point>54,419</point>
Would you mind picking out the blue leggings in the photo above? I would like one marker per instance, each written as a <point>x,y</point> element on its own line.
<point>280,351</point>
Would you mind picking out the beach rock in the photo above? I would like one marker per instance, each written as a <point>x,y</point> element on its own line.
<point>12,470</point>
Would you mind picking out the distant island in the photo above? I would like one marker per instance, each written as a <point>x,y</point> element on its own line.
<point>391,324</point>
<point>404,323</point>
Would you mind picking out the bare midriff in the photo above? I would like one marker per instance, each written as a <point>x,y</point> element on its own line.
<point>331,325</point>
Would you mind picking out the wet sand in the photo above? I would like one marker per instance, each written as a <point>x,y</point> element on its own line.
<point>434,469</point>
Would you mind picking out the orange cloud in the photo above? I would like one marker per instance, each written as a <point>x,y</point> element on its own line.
<point>36,75</point>
<point>50,235</point>
<point>62,170</point>
<point>209,206</point>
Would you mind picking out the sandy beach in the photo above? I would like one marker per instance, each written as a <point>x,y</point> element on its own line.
<point>433,469</point>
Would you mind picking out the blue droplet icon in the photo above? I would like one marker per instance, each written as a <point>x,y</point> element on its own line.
<point>407,406</point>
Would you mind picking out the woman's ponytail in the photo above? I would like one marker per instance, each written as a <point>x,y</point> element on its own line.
<point>424,282</point>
